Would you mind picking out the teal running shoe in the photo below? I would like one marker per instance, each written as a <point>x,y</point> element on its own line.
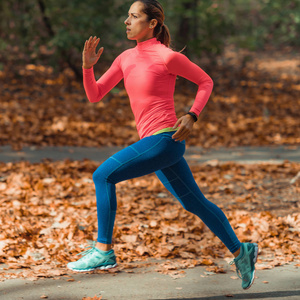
<point>245,264</point>
<point>93,259</point>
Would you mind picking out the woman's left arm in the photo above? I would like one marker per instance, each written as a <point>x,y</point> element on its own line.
<point>180,65</point>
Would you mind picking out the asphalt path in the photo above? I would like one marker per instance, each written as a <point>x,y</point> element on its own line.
<point>193,154</point>
<point>146,283</point>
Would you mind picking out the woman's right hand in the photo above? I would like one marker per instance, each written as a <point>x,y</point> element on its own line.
<point>89,55</point>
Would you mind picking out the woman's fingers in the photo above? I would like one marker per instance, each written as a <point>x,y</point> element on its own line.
<point>186,126</point>
<point>177,123</point>
<point>100,51</point>
<point>181,134</point>
<point>91,43</point>
<point>86,44</point>
<point>96,42</point>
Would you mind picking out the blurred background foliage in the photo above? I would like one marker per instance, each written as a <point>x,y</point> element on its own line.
<point>53,32</point>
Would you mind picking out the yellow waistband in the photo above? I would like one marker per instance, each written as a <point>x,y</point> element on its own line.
<point>168,129</point>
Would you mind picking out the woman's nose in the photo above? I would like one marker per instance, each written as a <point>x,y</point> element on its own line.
<point>126,22</point>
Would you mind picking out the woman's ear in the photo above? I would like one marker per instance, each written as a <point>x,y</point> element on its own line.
<point>153,23</point>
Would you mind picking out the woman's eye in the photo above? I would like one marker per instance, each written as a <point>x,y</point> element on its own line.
<point>133,16</point>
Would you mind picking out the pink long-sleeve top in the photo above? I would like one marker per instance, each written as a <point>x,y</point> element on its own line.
<point>149,71</point>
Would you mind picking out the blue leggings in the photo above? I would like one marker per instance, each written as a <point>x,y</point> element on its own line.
<point>164,156</point>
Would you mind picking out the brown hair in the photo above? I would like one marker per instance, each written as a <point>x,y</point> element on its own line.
<point>154,10</point>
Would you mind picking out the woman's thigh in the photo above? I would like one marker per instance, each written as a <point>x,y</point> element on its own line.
<point>143,157</point>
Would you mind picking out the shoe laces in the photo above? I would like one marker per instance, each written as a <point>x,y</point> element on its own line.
<point>91,247</point>
<point>238,272</point>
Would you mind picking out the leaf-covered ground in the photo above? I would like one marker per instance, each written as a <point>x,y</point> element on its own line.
<point>48,213</point>
<point>255,102</point>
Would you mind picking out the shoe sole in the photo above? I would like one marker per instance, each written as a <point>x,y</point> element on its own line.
<point>254,260</point>
<point>92,269</point>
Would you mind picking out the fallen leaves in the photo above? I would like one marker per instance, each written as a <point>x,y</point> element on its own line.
<point>39,107</point>
<point>48,212</point>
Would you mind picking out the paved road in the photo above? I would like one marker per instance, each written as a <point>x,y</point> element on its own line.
<point>193,154</point>
<point>143,284</point>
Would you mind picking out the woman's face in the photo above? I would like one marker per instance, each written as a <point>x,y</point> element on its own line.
<point>138,28</point>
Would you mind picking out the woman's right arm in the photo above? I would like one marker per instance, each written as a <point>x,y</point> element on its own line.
<point>96,90</point>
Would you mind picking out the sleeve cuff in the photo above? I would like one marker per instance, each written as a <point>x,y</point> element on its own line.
<point>86,71</point>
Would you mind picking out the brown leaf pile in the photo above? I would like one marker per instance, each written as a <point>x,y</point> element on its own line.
<point>249,106</point>
<point>48,212</point>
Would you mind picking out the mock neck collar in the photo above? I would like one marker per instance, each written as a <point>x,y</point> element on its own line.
<point>145,44</point>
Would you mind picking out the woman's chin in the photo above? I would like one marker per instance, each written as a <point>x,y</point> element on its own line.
<point>130,38</point>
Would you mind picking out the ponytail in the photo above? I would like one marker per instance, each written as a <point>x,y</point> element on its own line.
<point>163,35</point>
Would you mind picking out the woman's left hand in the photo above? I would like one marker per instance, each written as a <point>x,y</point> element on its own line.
<point>186,126</point>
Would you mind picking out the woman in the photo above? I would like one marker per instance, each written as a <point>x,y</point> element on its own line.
<point>149,71</point>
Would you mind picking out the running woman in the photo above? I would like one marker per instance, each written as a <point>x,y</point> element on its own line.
<point>149,71</point>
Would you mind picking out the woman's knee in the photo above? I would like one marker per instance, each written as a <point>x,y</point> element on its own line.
<point>100,174</point>
<point>97,175</point>
<point>105,172</point>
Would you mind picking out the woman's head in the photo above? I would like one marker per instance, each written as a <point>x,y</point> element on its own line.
<point>146,20</point>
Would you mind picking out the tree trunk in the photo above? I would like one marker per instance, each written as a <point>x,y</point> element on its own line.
<point>184,29</point>
<point>66,55</point>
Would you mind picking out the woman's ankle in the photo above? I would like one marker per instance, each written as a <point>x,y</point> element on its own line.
<point>236,254</point>
<point>103,247</point>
